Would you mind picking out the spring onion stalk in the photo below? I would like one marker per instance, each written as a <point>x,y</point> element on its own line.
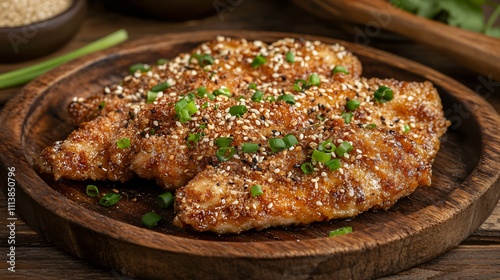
<point>24,75</point>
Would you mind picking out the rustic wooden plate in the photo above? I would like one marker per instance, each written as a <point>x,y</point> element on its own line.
<point>432,220</point>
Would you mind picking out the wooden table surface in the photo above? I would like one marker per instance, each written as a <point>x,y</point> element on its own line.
<point>477,257</point>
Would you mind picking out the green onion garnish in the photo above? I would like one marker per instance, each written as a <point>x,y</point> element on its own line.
<point>161,61</point>
<point>203,59</point>
<point>123,143</point>
<point>371,126</point>
<point>343,148</point>
<point>92,191</point>
<point>165,200</point>
<point>352,105</point>
<point>320,117</point>
<point>185,108</point>
<point>205,105</point>
<point>238,110</point>
<point>138,67</point>
<point>193,138</point>
<point>151,219</point>
<point>26,74</point>
<point>327,146</point>
<point>340,231</point>
<point>270,98</point>
<point>277,144</point>
<point>347,116</point>
<point>258,61</point>
<point>256,190</point>
<point>160,87</point>
<point>109,199</point>
<point>290,57</point>
<point>339,69</point>
<point>321,156</point>
<point>313,80</point>
<point>249,147</point>
<point>307,168</point>
<point>252,86</point>
<point>203,125</point>
<point>288,98</point>
<point>222,91</point>
<point>222,142</point>
<point>299,85</point>
<point>333,164</point>
<point>383,94</point>
<point>202,91</point>
<point>102,105</point>
<point>290,140</point>
<point>151,97</point>
<point>257,96</point>
<point>406,128</point>
<point>225,153</point>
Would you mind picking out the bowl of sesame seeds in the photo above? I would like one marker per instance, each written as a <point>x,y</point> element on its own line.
<point>30,28</point>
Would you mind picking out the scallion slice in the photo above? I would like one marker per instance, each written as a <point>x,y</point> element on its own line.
<point>203,59</point>
<point>193,138</point>
<point>109,199</point>
<point>222,142</point>
<point>290,57</point>
<point>165,200</point>
<point>340,231</point>
<point>343,148</point>
<point>321,156</point>
<point>202,91</point>
<point>383,94</point>
<point>257,96</point>
<point>222,91</point>
<point>184,108</point>
<point>151,96</point>
<point>151,219</point>
<point>307,168</point>
<point>270,98</point>
<point>371,126</point>
<point>339,69</point>
<point>290,140</point>
<point>256,190</point>
<point>252,86</point>
<point>238,110</point>
<point>102,105</point>
<point>138,67</point>
<point>333,164</point>
<point>277,144</point>
<point>288,98</point>
<point>258,61</point>
<point>299,85</point>
<point>347,116</point>
<point>327,146</point>
<point>161,87</point>
<point>313,80</point>
<point>352,105</point>
<point>123,143</point>
<point>161,61</point>
<point>92,191</point>
<point>406,128</point>
<point>225,153</point>
<point>249,147</point>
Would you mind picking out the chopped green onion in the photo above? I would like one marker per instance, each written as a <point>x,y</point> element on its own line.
<point>327,146</point>
<point>26,74</point>
<point>203,125</point>
<point>102,105</point>
<point>339,69</point>
<point>202,91</point>
<point>288,98</point>
<point>222,142</point>
<point>123,143</point>
<point>383,94</point>
<point>320,117</point>
<point>184,108</point>
<point>151,219</point>
<point>371,126</point>
<point>222,91</point>
<point>307,168</point>
<point>152,131</point>
<point>225,153</point>
<point>258,61</point>
<point>256,190</point>
<point>313,80</point>
<point>299,85</point>
<point>138,67</point>
<point>161,87</point>
<point>249,147</point>
<point>352,105</point>
<point>203,59</point>
<point>277,144</point>
<point>238,110</point>
<point>347,116</point>
<point>340,231</point>
<point>109,199</point>
<point>406,128</point>
<point>193,138</point>
<point>252,86</point>
<point>205,105</point>
<point>151,97</point>
<point>270,98</point>
<point>92,191</point>
<point>161,61</point>
<point>333,164</point>
<point>321,156</point>
<point>165,200</point>
<point>290,140</point>
<point>290,57</point>
<point>216,106</point>
<point>257,96</point>
<point>343,148</point>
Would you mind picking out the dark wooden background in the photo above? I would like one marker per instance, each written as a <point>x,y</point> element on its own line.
<point>478,257</point>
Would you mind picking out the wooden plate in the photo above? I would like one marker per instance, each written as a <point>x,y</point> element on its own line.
<point>432,220</point>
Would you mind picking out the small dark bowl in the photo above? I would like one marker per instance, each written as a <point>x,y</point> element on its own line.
<point>163,10</point>
<point>41,38</point>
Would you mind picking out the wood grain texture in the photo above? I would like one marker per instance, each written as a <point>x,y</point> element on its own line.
<point>419,228</point>
<point>478,52</point>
